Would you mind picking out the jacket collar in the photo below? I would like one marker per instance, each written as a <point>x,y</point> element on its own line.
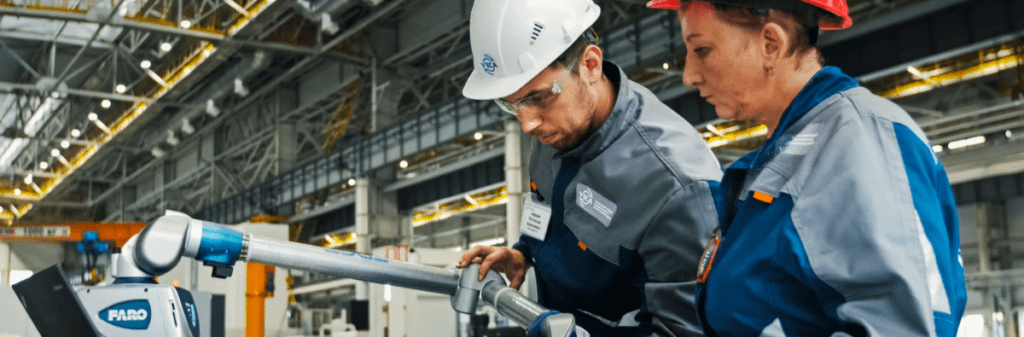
<point>826,83</point>
<point>624,113</point>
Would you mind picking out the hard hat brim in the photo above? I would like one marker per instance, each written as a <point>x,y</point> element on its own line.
<point>840,20</point>
<point>481,86</point>
<point>663,4</point>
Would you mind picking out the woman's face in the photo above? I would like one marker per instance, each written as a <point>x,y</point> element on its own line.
<point>725,62</point>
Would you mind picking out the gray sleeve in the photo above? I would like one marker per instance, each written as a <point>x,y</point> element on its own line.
<point>671,249</point>
<point>856,221</point>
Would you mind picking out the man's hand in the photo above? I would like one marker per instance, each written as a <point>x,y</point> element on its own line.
<point>503,260</point>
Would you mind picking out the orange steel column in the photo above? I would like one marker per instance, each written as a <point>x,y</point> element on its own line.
<point>256,292</point>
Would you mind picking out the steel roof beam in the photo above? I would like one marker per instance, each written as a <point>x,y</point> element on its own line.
<point>7,87</point>
<point>116,22</point>
<point>46,38</point>
<point>125,23</point>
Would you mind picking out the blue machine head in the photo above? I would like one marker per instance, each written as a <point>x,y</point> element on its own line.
<point>91,245</point>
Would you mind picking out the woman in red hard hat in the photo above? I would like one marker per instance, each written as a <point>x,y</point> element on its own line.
<point>843,223</point>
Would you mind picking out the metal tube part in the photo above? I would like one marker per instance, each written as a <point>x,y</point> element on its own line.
<point>511,303</point>
<point>350,265</point>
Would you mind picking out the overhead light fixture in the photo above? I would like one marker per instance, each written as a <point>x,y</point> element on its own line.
<point>470,200</point>
<point>1009,133</point>
<point>95,120</point>
<point>403,164</point>
<point>56,154</point>
<point>957,144</point>
<point>714,130</point>
<point>105,103</point>
<point>917,73</point>
<point>351,182</point>
<point>186,127</point>
<point>55,94</point>
<point>120,88</point>
<point>165,47</point>
<point>145,64</point>
<point>43,165</point>
<point>28,179</point>
<point>76,132</point>
<point>65,144</point>
<point>240,88</point>
<point>936,148</point>
<point>186,24</point>
<point>171,139</point>
<point>665,66</point>
<point>478,136</point>
<point>157,152</point>
<point>17,191</point>
<point>327,25</point>
<point>212,109</point>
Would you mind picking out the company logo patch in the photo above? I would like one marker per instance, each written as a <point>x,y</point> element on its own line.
<point>488,64</point>
<point>595,204</point>
<point>586,197</point>
<point>132,314</point>
<point>803,141</point>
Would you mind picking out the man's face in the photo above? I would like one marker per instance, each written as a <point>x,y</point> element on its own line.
<point>557,119</point>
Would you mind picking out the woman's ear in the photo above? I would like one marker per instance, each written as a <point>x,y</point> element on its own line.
<point>592,65</point>
<point>774,42</point>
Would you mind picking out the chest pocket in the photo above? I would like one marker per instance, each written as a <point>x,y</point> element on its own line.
<point>787,168</point>
<point>598,238</point>
<point>766,186</point>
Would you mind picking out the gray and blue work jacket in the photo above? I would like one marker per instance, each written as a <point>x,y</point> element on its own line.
<point>631,209</point>
<point>843,224</point>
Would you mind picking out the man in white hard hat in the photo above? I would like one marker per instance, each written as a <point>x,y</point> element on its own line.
<point>622,203</point>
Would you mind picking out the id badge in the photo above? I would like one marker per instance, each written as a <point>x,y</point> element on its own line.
<point>536,217</point>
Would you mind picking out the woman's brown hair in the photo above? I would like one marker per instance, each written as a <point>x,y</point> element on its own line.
<point>741,14</point>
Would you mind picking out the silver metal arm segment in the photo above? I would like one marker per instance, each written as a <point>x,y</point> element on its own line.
<point>159,247</point>
<point>349,265</point>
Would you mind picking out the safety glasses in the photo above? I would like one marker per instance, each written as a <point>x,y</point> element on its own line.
<point>538,99</point>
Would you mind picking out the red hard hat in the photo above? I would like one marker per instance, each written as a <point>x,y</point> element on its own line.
<point>836,7</point>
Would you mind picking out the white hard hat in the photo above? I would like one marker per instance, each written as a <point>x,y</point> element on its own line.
<point>514,40</point>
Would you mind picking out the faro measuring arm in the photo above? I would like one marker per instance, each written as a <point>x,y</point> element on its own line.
<point>159,247</point>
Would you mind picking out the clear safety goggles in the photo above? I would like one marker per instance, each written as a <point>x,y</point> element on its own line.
<point>538,99</point>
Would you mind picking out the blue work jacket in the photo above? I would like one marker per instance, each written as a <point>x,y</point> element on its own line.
<point>843,224</point>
